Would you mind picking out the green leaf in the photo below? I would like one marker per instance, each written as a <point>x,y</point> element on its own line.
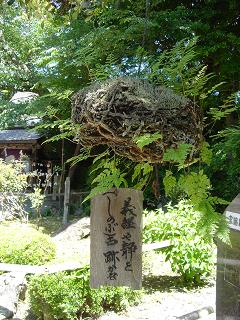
<point>110,176</point>
<point>85,154</point>
<point>147,168</point>
<point>141,184</point>
<point>141,173</point>
<point>196,186</point>
<point>137,171</point>
<point>170,182</point>
<point>61,136</point>
<point>146,139</point>
<point>101,155</point>
<point>206,153</point>
<point>229,106</point>
<point>179,154</point>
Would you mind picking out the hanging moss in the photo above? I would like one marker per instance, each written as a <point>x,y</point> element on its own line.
<point>118,111</point>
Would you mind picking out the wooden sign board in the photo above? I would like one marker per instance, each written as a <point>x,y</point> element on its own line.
<point>116,238</point>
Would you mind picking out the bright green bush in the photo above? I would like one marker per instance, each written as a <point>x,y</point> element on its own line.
<point>12,177</point>
<point>191,254</point>
<point>13,183</point>
<point>68,296</point>
<point>23,244</point>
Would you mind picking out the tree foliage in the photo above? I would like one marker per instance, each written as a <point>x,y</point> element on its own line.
<point>56,48</point>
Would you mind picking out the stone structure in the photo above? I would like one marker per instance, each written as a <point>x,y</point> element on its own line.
<point>228,268</point>
<point>12,289</point>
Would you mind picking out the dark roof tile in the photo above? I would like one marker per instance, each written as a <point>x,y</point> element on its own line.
<point>18,135</point>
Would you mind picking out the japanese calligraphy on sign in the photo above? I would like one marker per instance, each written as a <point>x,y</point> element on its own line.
<point>233,220</point>
<point>116,232</point>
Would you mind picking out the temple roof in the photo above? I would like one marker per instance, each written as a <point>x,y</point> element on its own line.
<point>18,135</point>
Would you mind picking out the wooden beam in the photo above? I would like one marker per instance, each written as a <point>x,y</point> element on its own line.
<point>198,314</point>
<point>67,266</point>
<point>29,269</point>
<point>16,145</point>
<point>156,245</point>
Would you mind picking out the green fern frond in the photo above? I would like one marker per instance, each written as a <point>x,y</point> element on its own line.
<point>169,182</point>
<point>213,224</point>
<point>180,69</point>
<point>84,155</point>
<point>60,136</point>
<point>205,153</point>
<point>196,186</point>
<point>101,155</point>
<point>141,173</point>
<point>179,154</point>
<point>204,95</point>
<point>231,139</point>
<point>146,139</point>
<point>229,105</point>
<point>107,180</point>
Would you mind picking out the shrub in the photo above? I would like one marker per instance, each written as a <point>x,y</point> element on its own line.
<point>13,183</point>
<point>22,244</point>
<point>68,296</point>
<point>190,254</point>
<point>12,177</point>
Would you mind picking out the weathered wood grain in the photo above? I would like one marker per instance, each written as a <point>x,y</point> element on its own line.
<point>125,244</point>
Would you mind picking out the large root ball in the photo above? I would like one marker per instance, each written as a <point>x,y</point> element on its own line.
<point>117,111</point>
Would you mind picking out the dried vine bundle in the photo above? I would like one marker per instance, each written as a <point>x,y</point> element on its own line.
<point>117,111</point>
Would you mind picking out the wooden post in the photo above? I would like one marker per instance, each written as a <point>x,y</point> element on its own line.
<point>80,205</point>
<point>66,200</point>
<point>55,187</point>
